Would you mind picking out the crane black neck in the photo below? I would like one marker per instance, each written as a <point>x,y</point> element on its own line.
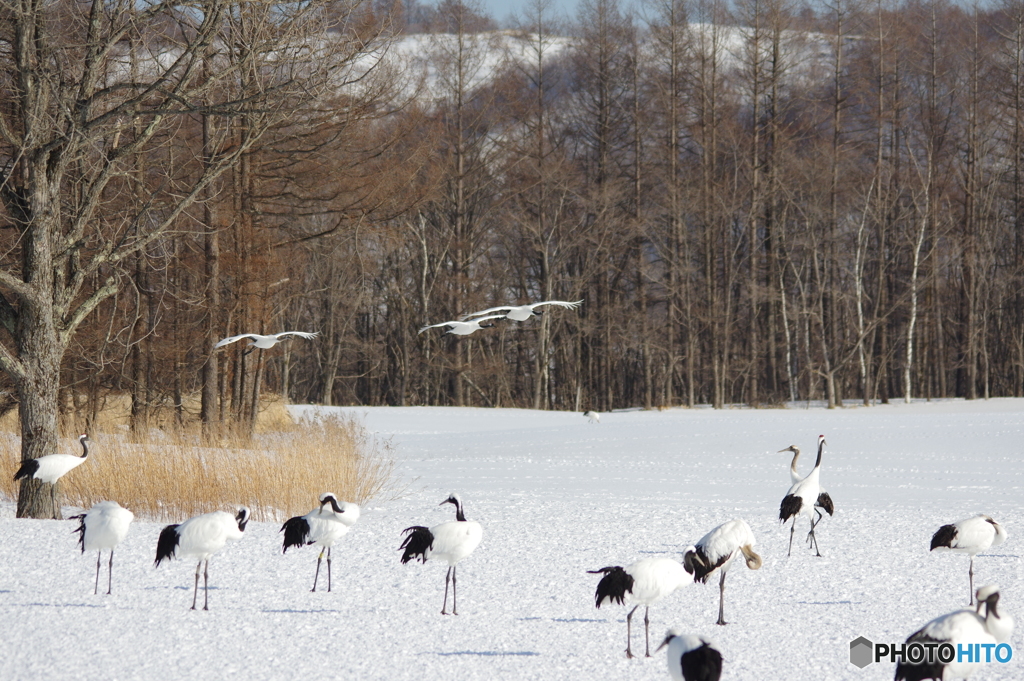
<point>85,446</point>
<point>821,448</point>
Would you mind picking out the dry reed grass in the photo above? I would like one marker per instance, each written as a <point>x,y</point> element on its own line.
<point>173,475</point>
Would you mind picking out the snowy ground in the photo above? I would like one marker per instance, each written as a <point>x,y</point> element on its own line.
<point>557,496</point>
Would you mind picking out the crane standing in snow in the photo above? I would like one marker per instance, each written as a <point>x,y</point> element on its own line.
<point>644,582</point>
<point>451,541</point>
<point>103,526</point>
<point>970,536</point>
<point>824,501</point>
<point>200,537</point>
<point>716,551</point>
<point>321,527</point>
<point>801,499</point>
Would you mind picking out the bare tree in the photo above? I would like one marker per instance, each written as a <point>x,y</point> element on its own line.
<point>67,143</point>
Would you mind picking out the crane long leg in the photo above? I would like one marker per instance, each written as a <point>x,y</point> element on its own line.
<point>195,591</point>
<point>110,573</point>
<point>814,538</point>
<point>814,523</point>
<point>629,631</point>
<point>791,530</point>
<point>317,575</point>
<point>647,627</point>
<point>206,585</point>
<point>447,577</point>
<point>721,600</point>
<point>970,572</point>
<point>328,569</point>
<point>53,498</point>
<point>96,589</point>
<point>455,589</point>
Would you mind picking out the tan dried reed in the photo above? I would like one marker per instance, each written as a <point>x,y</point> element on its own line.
<point>174,476</point>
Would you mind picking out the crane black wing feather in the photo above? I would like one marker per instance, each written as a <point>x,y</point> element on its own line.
<point>944,536</point>
<point>702,664</point>
<point>296,532</point>
<point>27,469</point>
<point>700,566</point>
<point>416,544</point>
<point>80,529</point>
<point>166,544</point>
<point>613,586</point>
<point>791,505</point>
<point>825,502</point>
<point>920,672</point>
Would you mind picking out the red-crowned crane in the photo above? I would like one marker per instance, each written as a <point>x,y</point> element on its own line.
<point>264,342</point>
<point>200,537</point>
<point>521,313</point>
<point>801,499</point>
<point>322,527</point>
<point>463,328</point>
<point>644,582</point>
<point>970,536</point>
<point>451,542</point>
<point>103,526</point>
<point>691,658</point>
<point>53,467</point>
<point>824,501</point>
<point>963,627</point>
<point>716,551</point>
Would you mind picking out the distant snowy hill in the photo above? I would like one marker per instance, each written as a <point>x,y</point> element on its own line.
<point>416,58</point>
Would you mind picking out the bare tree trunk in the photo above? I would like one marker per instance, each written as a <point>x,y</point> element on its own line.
<point>209,409</point>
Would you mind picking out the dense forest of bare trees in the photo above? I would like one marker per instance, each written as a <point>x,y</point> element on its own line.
<point>756,201</point>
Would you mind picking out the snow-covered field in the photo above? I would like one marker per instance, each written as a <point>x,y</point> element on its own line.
<point>557,496</point>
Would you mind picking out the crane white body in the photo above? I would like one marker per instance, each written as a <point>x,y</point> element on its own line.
<point>715,553</point>
<point>970,536</point>
<point>200,537</point>
<point>521,313</point>
<point>644,582</point>
<point>103,526</point>
<point>801,499</point>
<point>53,467</point>
<point>463,328</point>
<point>451,542</point>
<point>593,416</point>
<point>961,627</point>
<point>322,526</point>
<point>264,342</point>
<point>691,658</point>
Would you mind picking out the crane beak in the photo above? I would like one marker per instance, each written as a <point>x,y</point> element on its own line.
<point>668,639</point>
